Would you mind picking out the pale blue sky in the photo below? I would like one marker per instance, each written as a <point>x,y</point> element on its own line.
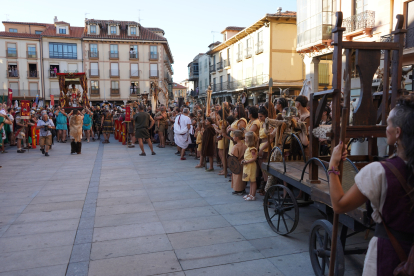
<point>187,24</point>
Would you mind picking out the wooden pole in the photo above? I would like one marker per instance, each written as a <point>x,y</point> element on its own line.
<point>223,129</point>
<point>269,100</point>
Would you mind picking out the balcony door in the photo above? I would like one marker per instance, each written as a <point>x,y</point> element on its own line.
<point>14,86</point>
<point>114,69</point>
<point>33,86</point>
<point>93,50</point>
<point>153,70</point>
<point>134,70</point>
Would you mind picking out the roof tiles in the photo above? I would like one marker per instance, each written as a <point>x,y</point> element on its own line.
<point>21,35</point>
<point>74,32</point>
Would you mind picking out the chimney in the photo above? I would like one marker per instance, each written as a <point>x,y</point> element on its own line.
<point>55,19</point>
<point>279,10</point>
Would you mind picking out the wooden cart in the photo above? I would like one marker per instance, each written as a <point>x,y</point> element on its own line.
<point>310,176</point>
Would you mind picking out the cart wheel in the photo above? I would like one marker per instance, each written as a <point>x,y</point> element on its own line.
<point>320,249</point>
<point>281,209</point>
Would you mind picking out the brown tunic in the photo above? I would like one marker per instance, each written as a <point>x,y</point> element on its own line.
<point>208,146</point>
<point>75,126</point>
<point>237,179</point>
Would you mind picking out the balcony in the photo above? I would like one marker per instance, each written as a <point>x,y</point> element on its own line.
<point>153,56</point>
<point>11,53</point>
<point>239,57</point>
<point>62,55</point>
<point>94,92</point>
<point>31,54</point>
<point>133,56</point>
<point>133,90</point>
<point>52,74</point>
<point>259,48</point>
<point>153,74</point>
<point>94,73</point>
<point>13,74</point>
<point>408,39</point>
<point>114,73</point>
<point>248,82</point>
<point>114,91</point>
<point>220,66</point>
<point>212,68</point>
<point>93,54</point>
<point>113,55</point>
<point>33,74</point>
<point>134,74</point>
<point>226,63</point>
<point>361,23</point>
<point>248,53</point>
<point>223,86</point>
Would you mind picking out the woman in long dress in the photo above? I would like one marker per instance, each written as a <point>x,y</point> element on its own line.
<point>389,186</point>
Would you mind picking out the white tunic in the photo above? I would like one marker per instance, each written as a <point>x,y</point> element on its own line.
<point>372,183</point>
<point>181,132</point>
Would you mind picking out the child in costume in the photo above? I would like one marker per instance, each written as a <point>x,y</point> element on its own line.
<point>249,164</point>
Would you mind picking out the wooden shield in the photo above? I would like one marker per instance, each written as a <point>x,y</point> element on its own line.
<point>234,165</point>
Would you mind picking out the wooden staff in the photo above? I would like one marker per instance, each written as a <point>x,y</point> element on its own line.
<point>223,129</point>
<point>269,100</point>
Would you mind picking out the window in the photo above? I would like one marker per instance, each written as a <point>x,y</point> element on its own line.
<point>133,30</point>
<point>38,32</point>
<point>153,70</point>
<point>153,52</point>
<point>13,72</point>
<point>33,89</point>
<point>63,50</point>
<point>31,51</point>
<point>114,69</point>
<point>259,45</point>
<point>53,70</point>
<point>114,51</point>
<point>248,48</point>
<point>11,50</point>
<point>134,70</point>
<point>94,87</point>
<point>11,30</point>
<point>93,50</point>
<point>32,73</point>
<point>93,29</point>
<point>214,84</point>
<point>94,69</point>
<point>133,51</point>
<point>113,30</point>
<point>134,88</point>
<point>62,30</point>
<point>114,87</point>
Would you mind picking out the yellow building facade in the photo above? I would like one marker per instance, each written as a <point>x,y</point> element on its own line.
<point>248,57</point>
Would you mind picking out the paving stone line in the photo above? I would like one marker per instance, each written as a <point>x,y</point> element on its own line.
<point>81,251</point>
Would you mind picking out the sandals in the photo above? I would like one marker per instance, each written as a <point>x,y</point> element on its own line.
<point>199,166</point>
<point>209,170</point>
<point>250,198</point>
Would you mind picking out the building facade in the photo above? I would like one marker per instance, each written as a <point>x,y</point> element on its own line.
<point>120,58</point>
<point>179,91</point>
<point>366,20</point>
<point>248,57</point>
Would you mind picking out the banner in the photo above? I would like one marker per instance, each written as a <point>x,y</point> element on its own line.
<point>25,106</point>
<point>127,113</point>
<point>10,99</point>
<point>52,100</point>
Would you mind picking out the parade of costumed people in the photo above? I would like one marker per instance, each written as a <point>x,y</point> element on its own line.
<point>283,152</point>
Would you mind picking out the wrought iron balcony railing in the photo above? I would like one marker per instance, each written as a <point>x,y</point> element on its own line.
<point>248,53</point>
<point>133,55</point>
<point>134,73</point>
<point>52,73</point>
<point>114,91</point>
<point>239,57</point>
<point>114,73</point>
<point>93,54</point>
<point>212,68</point>
<point>12,53</point>
<point>133,90</point>
<point>94,73</point>
<point>153,74</point>
<point>220,65</point>
<point>32,74</point>
<point>153,56</point>
<point>363,20</point>
<point>95,92</point>
<point>113,55</point>
<point>259,47</point>
<point>31,54</point>
<point>226,63</point>
<point>12,73</point>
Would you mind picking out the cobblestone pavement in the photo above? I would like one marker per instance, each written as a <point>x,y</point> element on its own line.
<point>111,212</point>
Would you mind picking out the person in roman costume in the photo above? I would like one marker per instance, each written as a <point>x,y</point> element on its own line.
<point>75,126</point>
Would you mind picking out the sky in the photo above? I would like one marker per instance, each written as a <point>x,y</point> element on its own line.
<point>188,24</point>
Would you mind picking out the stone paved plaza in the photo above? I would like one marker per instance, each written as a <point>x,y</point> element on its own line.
<point>111,212</point>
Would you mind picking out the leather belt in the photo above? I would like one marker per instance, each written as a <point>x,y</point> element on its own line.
<point>400,236</point>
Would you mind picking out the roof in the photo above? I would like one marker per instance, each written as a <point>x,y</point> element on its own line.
<point>214,43</point>
<point>61,22</point>
<point>74,32</point>
<point>282,16</point>
<point>178,86</point>
<point>144,33</point>
<point>233,28</point>
<point>26,23</point>
<point>21,35</point>
<point>286,13</point>
<point>156,30</point>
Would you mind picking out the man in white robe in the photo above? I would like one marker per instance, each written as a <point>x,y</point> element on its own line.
<point>182,127</point>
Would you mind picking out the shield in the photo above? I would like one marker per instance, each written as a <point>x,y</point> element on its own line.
<point>234,165</point>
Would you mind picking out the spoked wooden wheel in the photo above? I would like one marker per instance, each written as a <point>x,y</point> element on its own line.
<point>281,209</point>
<point>320,249</point>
